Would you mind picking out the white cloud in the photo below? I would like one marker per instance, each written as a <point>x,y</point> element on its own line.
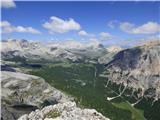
<point>112,24</point>
<point>85,34</point>
<point>82,33</point>
<point>94,40</point>
<point>147,28</point>
<point>8,28</point>
<point>61,26</point>
<point>105,36</point>
<point>126,26</point>
<point>4,23</point>
<point>8,4</point>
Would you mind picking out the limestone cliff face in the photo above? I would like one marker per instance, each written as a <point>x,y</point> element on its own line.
<point>137,68</point>
<point>22,93</point>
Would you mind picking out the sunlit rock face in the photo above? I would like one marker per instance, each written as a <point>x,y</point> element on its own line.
<point>63,111</point>
<point>137,68</point>
<point>111,51</point>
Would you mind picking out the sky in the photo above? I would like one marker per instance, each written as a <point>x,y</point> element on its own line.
<point>107,22</point>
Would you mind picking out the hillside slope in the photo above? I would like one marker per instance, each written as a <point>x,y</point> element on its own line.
<point>137,68</point>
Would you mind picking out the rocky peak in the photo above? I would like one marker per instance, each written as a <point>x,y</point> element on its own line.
<point>137,68</point>
<point>114,48</point>
<point>144,59</point>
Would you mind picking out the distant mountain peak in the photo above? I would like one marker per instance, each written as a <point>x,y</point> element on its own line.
<point>114,48</point>
<point>138,67</point>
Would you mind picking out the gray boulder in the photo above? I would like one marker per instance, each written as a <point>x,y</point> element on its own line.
<point>23,93</point>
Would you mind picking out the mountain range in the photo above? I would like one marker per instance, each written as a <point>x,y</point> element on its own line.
<point>134,71</point>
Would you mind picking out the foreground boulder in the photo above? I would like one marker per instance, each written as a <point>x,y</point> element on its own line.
<point>23,93</point>
<point>63,111</point>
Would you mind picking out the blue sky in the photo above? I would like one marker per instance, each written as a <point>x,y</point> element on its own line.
<point>108,22</point>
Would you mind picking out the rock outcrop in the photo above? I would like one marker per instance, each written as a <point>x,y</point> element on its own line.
<point>137,68</point>
<point>22,93</point>
<point>28,97</point>
<point>63,111</point>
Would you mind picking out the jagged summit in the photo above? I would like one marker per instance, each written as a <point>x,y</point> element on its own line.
<point>114,48</point>
<point>56,51</point>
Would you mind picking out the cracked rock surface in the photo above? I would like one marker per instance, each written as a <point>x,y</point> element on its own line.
<point>63,111</point>
<point>22,93</point>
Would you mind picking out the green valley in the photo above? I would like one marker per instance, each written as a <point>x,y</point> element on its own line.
<point>84,83</point>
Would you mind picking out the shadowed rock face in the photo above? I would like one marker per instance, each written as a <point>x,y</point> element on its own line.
<point>7,68</point>
<point>138,68</point>
<point>22,93</point>
<point>126,59</point>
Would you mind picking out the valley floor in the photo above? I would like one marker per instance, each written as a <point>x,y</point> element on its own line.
<point>84,83</point>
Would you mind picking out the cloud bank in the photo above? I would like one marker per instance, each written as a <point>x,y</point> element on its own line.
<point>6,27</point>
<point>83,33</point>
<point>147,28</point>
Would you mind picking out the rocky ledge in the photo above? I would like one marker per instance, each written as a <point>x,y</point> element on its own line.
<point>32,98</point>
<point>23,93</point>
<point>63,111</point>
